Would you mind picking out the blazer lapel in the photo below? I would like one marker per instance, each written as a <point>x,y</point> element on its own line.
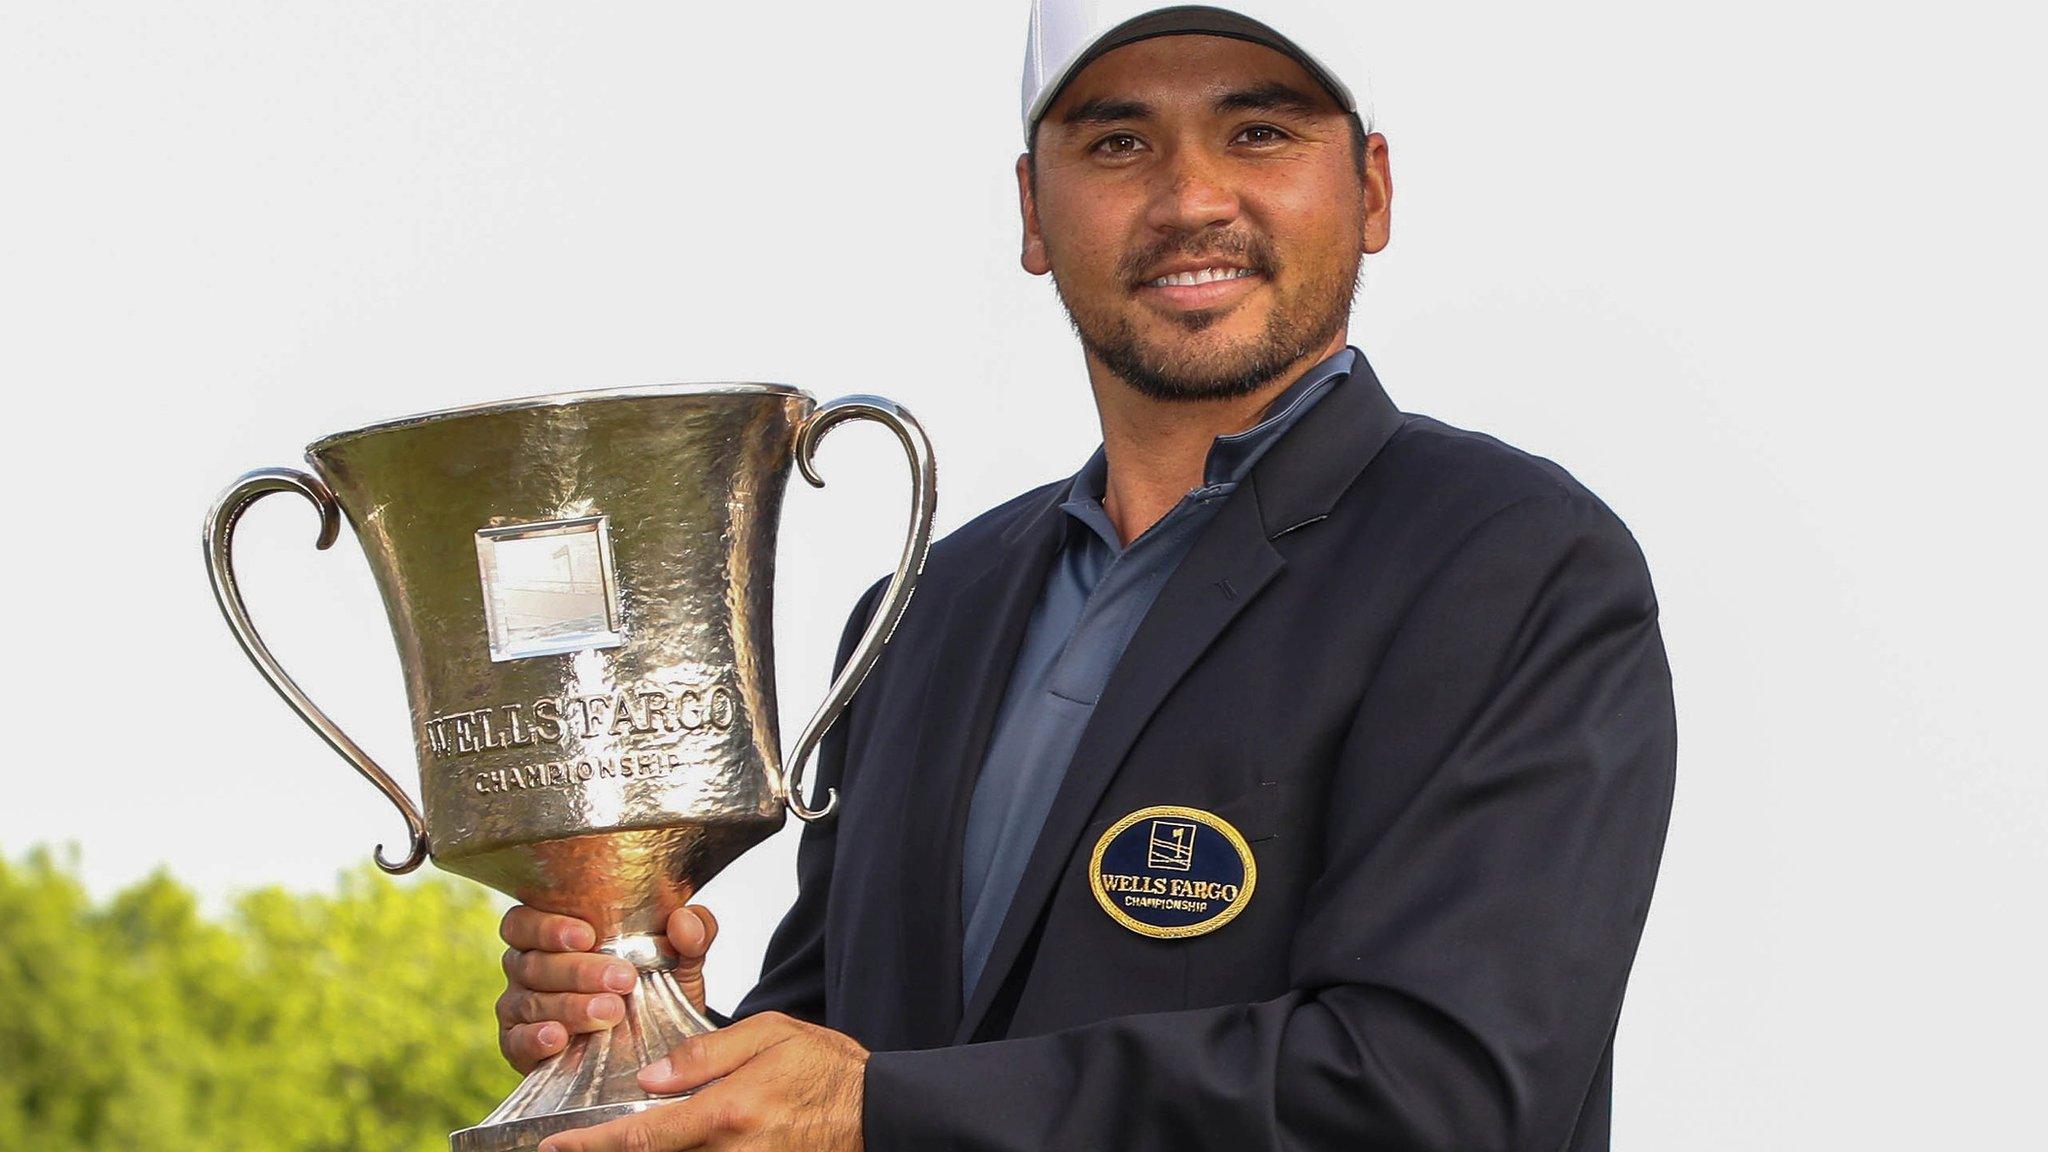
<point>1294,486</point>
<point>1221,574</point>
<point>984,626</point>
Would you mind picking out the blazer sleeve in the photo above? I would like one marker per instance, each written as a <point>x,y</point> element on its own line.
<point>1494,826</point>
<point>793,968</point>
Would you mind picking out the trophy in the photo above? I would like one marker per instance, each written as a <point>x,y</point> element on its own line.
<point>580,589</point>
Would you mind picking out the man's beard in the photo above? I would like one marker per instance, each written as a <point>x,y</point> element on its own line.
<point>1298,326</point>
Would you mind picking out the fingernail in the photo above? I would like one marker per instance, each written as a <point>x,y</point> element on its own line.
<point>620,978</point>
<point>659,1070</point>
<point>576,938</point>
<point>609,1008</point>
<point>552,1034</point>
<point>693,929</point>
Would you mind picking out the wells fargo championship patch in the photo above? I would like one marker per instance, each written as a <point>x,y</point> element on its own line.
<point>1170,872</point>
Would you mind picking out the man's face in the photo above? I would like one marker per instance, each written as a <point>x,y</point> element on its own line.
<point>1198,203</point>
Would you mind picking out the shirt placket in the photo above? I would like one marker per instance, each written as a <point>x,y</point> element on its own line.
<point>1136,572</point>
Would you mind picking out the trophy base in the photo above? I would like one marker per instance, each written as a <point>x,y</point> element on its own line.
<point>595,1079</point>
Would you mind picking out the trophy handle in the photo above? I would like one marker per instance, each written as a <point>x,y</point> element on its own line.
<point>923,495</point>
<point>220,570</point>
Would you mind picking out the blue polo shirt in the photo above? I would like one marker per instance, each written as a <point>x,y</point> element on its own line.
<point>1095,594</point>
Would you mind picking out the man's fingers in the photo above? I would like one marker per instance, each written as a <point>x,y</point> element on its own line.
<point>579,1013</point>
<point>586,972</point>
<point>702,1059</point>
<point>683,1124</point>
<point>527,928</point>
<point>691,929</point>
<point>526,1045</point>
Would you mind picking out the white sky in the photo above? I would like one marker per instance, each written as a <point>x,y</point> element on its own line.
<point>1765,276</point>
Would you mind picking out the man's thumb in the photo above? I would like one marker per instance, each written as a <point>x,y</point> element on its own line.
<point>691,930</point>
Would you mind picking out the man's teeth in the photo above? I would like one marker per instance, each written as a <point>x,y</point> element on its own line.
<point>1203,276</point>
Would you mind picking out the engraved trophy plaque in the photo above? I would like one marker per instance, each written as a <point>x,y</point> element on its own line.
<point>580,589</point>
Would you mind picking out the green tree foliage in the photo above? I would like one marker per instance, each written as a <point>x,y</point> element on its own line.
<point>297,1023</point>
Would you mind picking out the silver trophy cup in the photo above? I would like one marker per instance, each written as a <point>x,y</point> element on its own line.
<point>580,589</point>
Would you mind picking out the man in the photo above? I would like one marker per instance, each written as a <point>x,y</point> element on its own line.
<point>1294,775</point>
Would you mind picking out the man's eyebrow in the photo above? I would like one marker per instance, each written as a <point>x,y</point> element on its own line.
<point>1269,97</point>
<point>1106,110</point>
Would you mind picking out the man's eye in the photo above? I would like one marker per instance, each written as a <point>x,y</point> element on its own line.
<point>1118,144</point>
<point>1261,134</point>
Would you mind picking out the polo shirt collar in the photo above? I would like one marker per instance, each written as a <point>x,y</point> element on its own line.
<point>1231,455</point>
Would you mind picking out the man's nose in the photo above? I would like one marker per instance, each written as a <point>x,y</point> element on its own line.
<point>1194,193</point>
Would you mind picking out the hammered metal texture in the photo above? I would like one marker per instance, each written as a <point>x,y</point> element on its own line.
<point>608,783</point>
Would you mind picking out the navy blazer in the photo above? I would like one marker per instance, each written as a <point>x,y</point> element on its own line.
<point>1420,670</point>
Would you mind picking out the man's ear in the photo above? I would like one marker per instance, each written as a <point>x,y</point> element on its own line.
<point>1379,195</point>
<point>1033,255</point>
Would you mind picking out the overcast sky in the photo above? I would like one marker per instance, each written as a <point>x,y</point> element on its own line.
<point>1766,277</point>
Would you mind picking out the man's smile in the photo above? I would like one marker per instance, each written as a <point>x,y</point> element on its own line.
<point>1202,287</point>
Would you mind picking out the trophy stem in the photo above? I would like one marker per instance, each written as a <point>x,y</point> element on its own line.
<point>595,1079</point>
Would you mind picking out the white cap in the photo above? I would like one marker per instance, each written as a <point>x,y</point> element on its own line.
<point>1066,35</point>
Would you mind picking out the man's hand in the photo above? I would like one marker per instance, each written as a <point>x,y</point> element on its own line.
<point>556,986</point>
<point>786,1086</point>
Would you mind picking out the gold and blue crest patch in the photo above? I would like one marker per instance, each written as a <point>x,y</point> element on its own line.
<point>1170,872</point>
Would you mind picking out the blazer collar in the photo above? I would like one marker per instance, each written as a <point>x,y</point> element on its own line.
<point>1302,476</point>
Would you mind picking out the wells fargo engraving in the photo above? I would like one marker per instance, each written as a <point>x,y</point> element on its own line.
<point>567,722</point>
<point>562,720</point>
